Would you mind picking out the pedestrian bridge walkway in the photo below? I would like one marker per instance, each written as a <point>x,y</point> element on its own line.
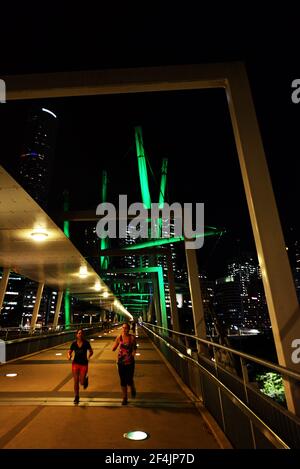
<point>37,409</point>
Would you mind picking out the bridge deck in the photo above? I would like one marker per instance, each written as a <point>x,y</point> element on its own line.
<point>37,409</point>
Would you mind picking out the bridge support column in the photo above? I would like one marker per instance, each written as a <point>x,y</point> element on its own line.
<point>57,308</point>
<point>196,296</point>
<point>3,285</point>
<point>172,292</point>
<point>276,273</point>
<point>36,306</point>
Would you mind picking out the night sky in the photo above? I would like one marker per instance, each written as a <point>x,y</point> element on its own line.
<point>191,128</point>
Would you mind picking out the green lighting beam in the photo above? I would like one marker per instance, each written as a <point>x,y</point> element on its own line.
<point>67,233</point>
<point>162,190</point>
<point>104,260</point>
<point>142,165</point>
<point>162,241</point>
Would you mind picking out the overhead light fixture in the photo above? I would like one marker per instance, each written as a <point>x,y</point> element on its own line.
<point>83,271</point>
<point>58,354</point>
<point>11,375</point>
<point>39,235</point>
<point>136,435</point>
<point>105,294</point>
<point>97,286</point>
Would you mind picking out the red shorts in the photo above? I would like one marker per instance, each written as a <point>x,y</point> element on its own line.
<point>80,370</point>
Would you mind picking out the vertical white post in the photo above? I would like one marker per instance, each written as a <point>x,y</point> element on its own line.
<point>195,291</point>
<point>172,292</point>
<point>36,306</point>
<point>57,308</point>
<point>3,285</point>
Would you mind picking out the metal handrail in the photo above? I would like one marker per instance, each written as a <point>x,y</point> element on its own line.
<point>280,369</point>
<point>46,330</point>
<point>260,424</point>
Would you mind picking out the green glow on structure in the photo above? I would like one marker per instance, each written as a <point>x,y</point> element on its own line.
<point>66,209</point>
<point>142,165</point>
<point>162,241</point>
<point>134,294</point>
<point>67,309</point>
<point>104,260</point>
<point>67,233</point>
<point>136,300</point>
<point>159,271</point>
<point>163,183</point>
<point>67,228</point>
<point>164,321</point>
<point>162,190</point>
<point>104,186</point>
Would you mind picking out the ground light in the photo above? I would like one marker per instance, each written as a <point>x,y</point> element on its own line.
<point>136,435</point>
<point>11,375</point>
<point>39,235</point>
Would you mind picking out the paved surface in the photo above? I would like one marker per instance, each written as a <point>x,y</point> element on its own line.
<point>37,410</point>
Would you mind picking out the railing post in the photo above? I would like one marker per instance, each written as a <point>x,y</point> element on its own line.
<point>245,382</point>
<point>219,390</point>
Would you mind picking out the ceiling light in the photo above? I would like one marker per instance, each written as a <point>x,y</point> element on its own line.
<point>105,294</point>
<point>136,435</point>
<point>39,235</point>
<point>11,375</point>
<point>58,354</point>
<point>83,271</point>
<point>97,286</point>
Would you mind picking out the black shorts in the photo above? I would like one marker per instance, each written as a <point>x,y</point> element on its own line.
<point>126,374</point>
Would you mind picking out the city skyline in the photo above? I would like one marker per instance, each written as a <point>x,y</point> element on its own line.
<point>190,128</point>
<point>271,63</point>
<point>87,145</point>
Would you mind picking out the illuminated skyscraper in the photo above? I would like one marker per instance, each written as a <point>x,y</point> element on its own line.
<point>36,159</point>
<point>34,173</point>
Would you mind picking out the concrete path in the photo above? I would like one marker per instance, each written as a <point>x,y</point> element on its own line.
<point>37,410</point>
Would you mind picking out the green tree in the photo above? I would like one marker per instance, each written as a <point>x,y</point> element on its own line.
<point>271,384</point>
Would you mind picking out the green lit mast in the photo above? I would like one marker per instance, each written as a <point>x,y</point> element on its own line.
<point>162,191</point>
<point>146,199</point>
<point>67,233</point>
<point>104,241</point>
